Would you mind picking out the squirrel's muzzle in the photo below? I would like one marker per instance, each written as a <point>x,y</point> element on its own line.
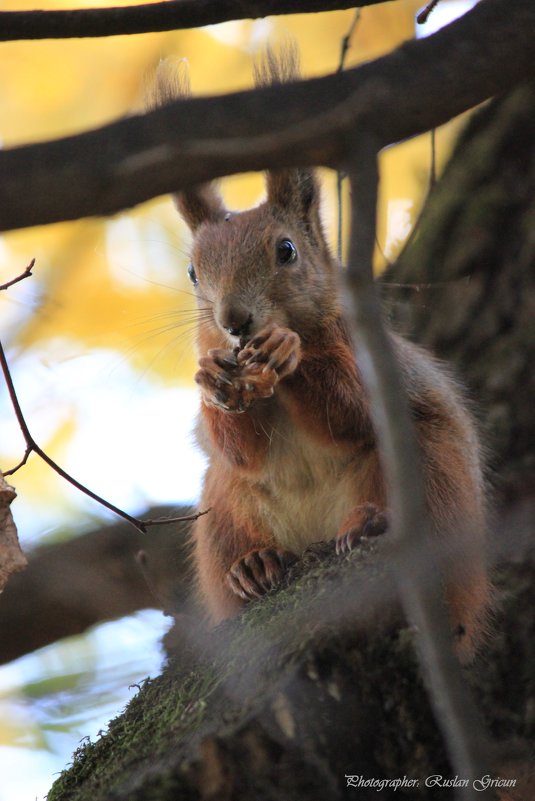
<point>235,317</point>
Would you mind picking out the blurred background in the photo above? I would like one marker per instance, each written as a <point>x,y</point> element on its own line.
<point>101,339</point>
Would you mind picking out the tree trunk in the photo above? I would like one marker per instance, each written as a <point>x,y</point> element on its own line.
<point>319,681</point>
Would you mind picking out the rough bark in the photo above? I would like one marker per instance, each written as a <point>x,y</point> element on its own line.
<point>319,680</point>
<point>476,248</point>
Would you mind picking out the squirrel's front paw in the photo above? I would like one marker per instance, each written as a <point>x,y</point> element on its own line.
<point>366,520</point>
<point>259,571</point>
<point>274,348</point>
<point>231,386</point>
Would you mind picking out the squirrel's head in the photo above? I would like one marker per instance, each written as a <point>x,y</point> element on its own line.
<point>270,264</point>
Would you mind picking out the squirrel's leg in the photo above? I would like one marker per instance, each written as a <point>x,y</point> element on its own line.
<point>234,564</point>
<point>368,518</point>
<point>456,502</point>
<point>365,520</point>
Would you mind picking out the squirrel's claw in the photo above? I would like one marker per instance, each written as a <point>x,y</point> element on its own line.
<point>366,520</point>
<point>276,348</point>
<point>259,571</point>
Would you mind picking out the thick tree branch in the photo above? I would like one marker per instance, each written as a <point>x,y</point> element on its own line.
<point>421,85</point>
<point>165,16</point>
<point>69,586</point>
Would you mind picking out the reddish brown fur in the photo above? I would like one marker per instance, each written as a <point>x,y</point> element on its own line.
<point>289,439</point>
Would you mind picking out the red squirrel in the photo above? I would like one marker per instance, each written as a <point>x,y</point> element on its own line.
<point>284,419</point>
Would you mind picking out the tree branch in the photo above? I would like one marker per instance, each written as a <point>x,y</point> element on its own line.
<point>33,447</point>
<point>421,85</point>
<point>419,579</point>
<point>26,274</point>
<point>165,16</point>
<point>69,586</point>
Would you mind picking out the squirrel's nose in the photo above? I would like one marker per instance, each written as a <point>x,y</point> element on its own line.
<point>235,318</point>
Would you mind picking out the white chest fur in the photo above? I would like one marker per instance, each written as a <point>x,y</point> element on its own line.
<point>306,489</point>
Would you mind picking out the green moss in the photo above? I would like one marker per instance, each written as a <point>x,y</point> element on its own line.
<point>218,682</point>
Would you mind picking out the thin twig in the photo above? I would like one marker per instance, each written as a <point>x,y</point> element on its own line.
<point>346,43</point>
<point>419,287</point>
<point>22,462</point>
<point>32,446</point>
<point>400,456</point>
<point>159,521</point>
<point>423,15</point>
<point>430,187</point>
<point>26,274</point>
<point>387,261</point>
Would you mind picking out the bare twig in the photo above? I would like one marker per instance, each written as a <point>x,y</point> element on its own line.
<point>159,521</point>
<point>419,287</point>
<point>26,274</point>
<point>430,186</point>
<point>387,261</point>
<point>423,15</point>
<point>163,16</point>
<point>13,470</point>
<point>33,447</point>
<point>346,43</point>
<point>420,597</point>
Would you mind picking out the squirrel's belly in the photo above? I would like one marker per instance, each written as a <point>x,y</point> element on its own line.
<point>298,520</point>
<point>306,491</point>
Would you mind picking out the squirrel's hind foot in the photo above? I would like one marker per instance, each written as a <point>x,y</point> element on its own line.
<point>366,520</point>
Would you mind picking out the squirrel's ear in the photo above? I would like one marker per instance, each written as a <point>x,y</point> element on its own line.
<point>295,191</point>
<point>202,203</point>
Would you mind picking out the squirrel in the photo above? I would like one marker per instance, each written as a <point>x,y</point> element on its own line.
<point>284,419</point>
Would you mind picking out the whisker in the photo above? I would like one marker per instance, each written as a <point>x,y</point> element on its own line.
<point>189,323</point>
<point>177,315</point>
<point>179,338</point>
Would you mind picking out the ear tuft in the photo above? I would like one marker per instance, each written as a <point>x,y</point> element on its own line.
<point>295,191</point>
<point>170,82</point>
<point>282,67</point>
<point>202,203</point>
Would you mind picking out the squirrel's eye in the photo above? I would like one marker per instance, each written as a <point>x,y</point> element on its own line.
<point>286,252</point>
<point>192,274</point>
